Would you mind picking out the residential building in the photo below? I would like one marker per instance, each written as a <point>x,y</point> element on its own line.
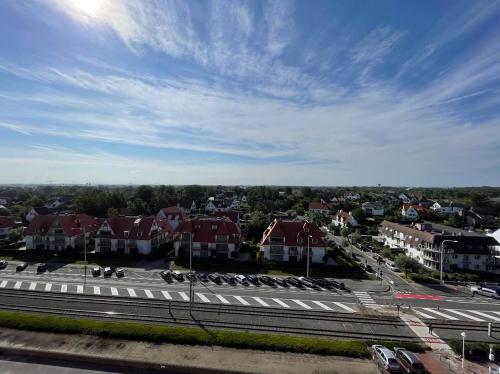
<point>41,210</point>
<point>344,219</point>
<point>449,208</point>
<point>289,240</point>
<point>216,205</point>
<point>373,208</point>
<point>352,196</point>
<point>217,237</point>
<point>174,215</point>
<point>232,215</point>
<point>7,223</point>
<point>414,211</point>
<point>320,207</point>
<point>128,234</point>
<point>423,242</point>
<point>404,198</point>
<point>59,231</point>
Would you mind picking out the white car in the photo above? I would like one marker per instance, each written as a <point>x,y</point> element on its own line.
<point>108,271</point>
<point>392,266</point>
<point>386,358</point>
<point>493,292</point>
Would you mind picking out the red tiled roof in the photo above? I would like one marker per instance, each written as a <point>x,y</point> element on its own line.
<point>138,228</point>
<point>316,205</point>
<point>420,209</point>
<point>294,232</point>
<point>174,211</point>
<point>232,215</point>
<point>345,215</point>
<point>72,224</point>
<point>204,229</point>
<point>7,222</point>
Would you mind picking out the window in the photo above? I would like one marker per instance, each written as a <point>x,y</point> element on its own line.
<point>477,257</point>
<point>476,267</point>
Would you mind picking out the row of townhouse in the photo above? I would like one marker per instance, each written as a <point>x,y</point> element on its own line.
<point>461,250</point>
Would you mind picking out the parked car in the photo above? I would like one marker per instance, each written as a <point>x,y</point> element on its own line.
<point>280,282</point>
<point>240,278</point>
<point>22,266</point>
<point>167,275</point>
<point>321,282</point>
<point>96,271</point>
<point>41,268</point>
<point>294,282</point>
<point>267,280</point>
<point>409,361</point>
<point>493,292</point>
<point>202,277</point>
<point>108,271</point>
<point>253,279</point>
<point>385,358</point>
<point>339,285</point>
<point>178,276</point>
<point>119,272</point>
<point>3,264</point>
<point>307,282</point>
<point>191,276</point>
<point>229,279</point>
<point>214,277</point>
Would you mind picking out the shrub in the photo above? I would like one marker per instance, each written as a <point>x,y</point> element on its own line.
<point>421,278</point>
<point>479,350</point>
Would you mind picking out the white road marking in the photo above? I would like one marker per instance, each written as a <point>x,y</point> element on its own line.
<point>114,291</point>
<point>280,302</point>
<point>203,297</point>
<point>425,315</point>
<point>326,307</point>
<point>345,307</point>
<point>430,310</point>
<point>3,284</point>
<point>32,286</point>
<point>79,289</point>
<point>241,300</point>
<point>465,315</point>
<point>184,296</point>
<point>222,299</point>
<point>97,290</point>
<point>149,294</point>
<point>131,292</point>
<point>64,288</point>
<point>303,305</point>
<point>486,315</point>
<point>166,295</point>
<point>48,286</point>
<point>260,301</point>
<point>18,285</point>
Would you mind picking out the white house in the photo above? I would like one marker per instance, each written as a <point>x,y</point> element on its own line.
<point>446,208</point>
<point>373,208</point>
<point>289,241</point>
<point>343,219</point>
<point>42,210</point>
<point>409,211</point>
<point>214,205</point>
<point>352,196</point>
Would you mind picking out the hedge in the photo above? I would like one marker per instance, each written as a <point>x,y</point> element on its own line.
<point>479,350</point>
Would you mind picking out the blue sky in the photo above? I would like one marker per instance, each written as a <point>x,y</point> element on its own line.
<point>255,92</point>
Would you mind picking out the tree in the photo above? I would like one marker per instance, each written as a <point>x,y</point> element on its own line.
<point>256,226</point>
<point>14,236</point>
<point>407,263</point>
<point>455,220</point>
<point>112,212</point>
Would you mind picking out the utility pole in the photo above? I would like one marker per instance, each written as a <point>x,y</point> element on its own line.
<point>84,257</point>
<point>190,272</point>
<point>308,249</point>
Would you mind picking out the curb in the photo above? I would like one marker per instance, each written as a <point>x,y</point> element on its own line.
<point>117,362</point>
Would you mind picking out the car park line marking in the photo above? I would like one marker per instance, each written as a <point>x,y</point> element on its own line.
<point>32,286</point>
<point>149,294</point>
<point>64,288</point>
<point>97,290</point>
<point>303,305</point>
<point>260,301</point>
<point>222,299</point>
<point>184,296</point>
<point>18,285</point>
<point>203,297</point>
<point>465,315</point>
<point>166,295</point>
<point>425,315</point>
<point>280,302</point>
<point>3,284</point>
<point>114,291</point>
<point>345,307</point>
<point>319,303</point>
<point>131,292</point>
<point>485,315</point>
<point>79,289</point>
<point>430,310</point>
<point>241,300</point>
<point>48,286</point>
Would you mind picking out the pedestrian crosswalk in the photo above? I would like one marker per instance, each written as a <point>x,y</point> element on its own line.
<point>204,296</point>
<point>364,297</point>
<point>458,314</point>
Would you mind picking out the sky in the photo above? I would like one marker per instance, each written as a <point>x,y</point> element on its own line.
<point>320,93</point>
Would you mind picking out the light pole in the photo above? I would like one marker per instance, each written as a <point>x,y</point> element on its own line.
<point>463,347</point>
<point>84,257</point>
<point>308,249</point>
<point>441,258</point>
<point>190,271</point>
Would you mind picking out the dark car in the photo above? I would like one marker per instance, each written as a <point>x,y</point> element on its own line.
<point>253,279</point>
<point>41,268</point>
<point>214,277</point>
<point>228,279</point>
<point>96,271</point>
<point>409,361</point>
<point>292,281</point>
<point>280,282</point>
<point>202,277</point>
<point>22,266</point>
<point>307,282</point>
<point>119,272</point>
<point>178,276</point>
<point>323,283</point>
<point>167,275</point>
<point>3,264</point>
<point>267,280</point>
<point>339,285</point>
<point>108,271</point>
<point>191,277</point>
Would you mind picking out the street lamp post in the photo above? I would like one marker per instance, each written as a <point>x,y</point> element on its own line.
<point>463,347</point>
<point>190,272</point>
<point>308,249</point>
<point>84,257</point>
<point>441,258</point>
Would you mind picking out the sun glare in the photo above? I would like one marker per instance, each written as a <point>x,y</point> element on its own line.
<point>89,7</point>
